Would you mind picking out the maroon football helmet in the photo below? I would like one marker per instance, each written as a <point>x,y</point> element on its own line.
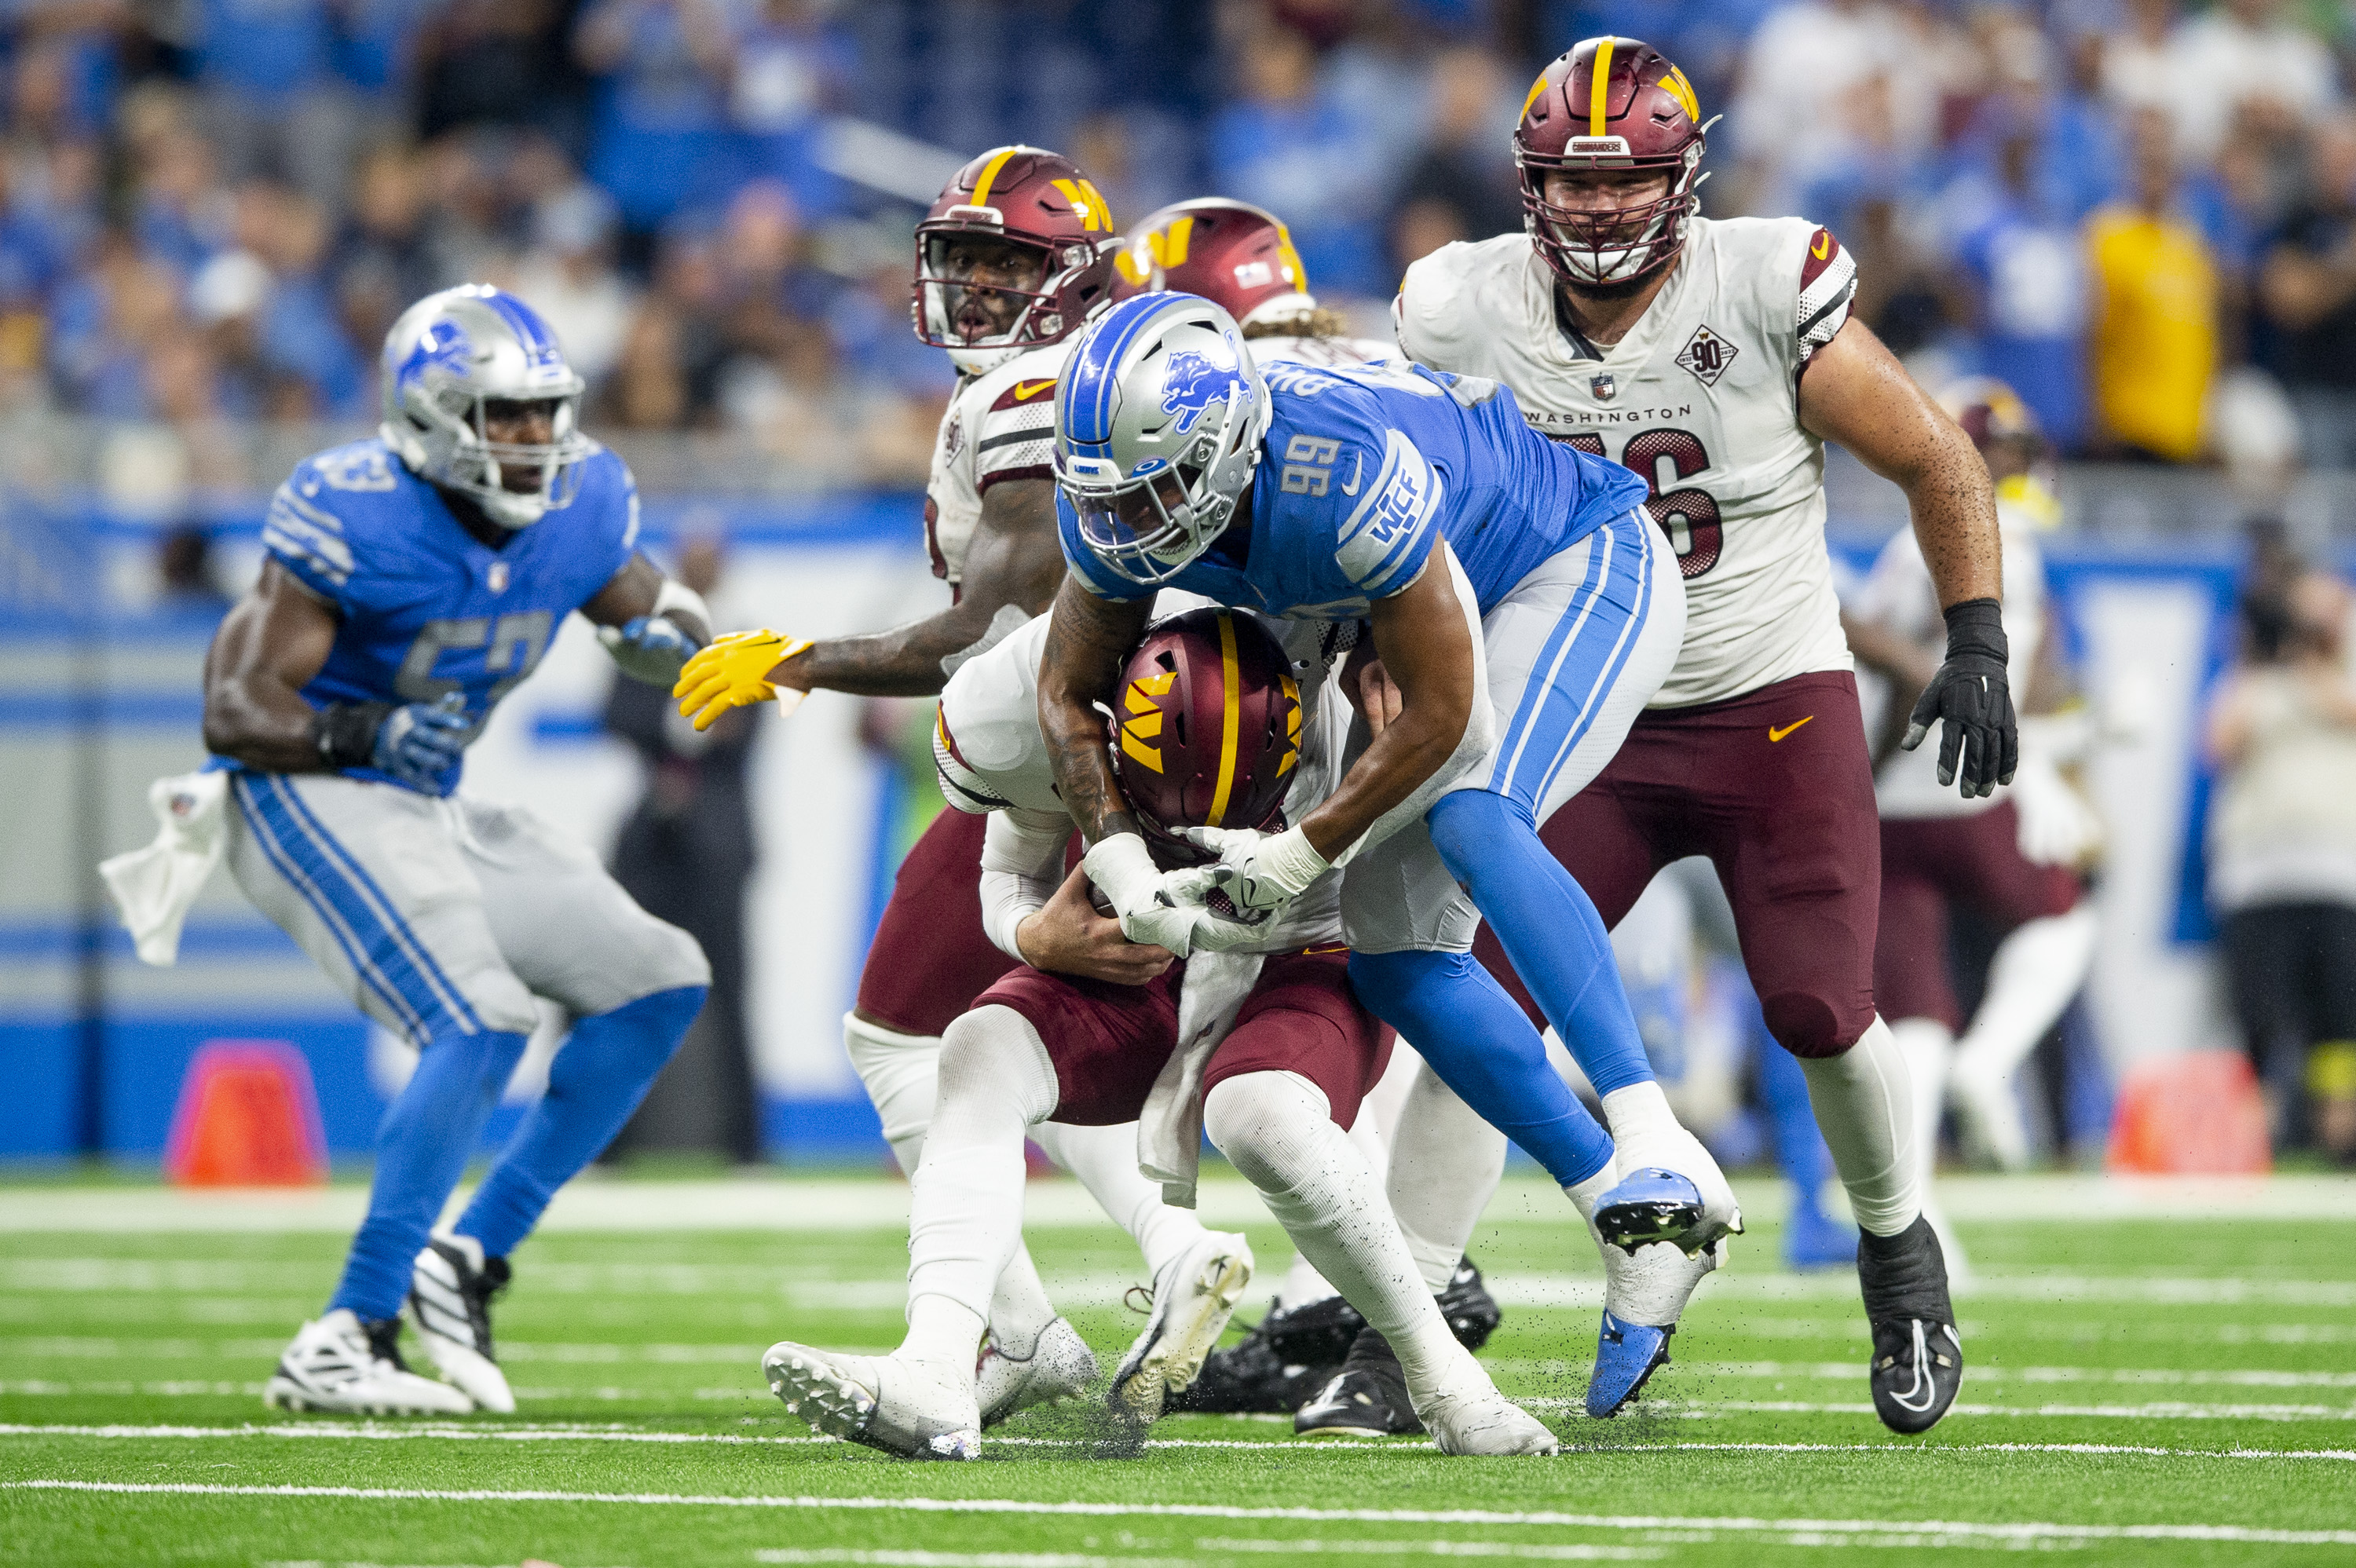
<point>1237,256</point>
<point>1610,105</point>
<point>1039,202</point>
<point>1207,731</point>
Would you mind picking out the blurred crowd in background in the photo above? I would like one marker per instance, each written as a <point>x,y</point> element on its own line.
<point>2140,213</point>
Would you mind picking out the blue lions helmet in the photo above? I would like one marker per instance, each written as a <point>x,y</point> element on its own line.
<point>1159,415</point>
<point>448,357</point>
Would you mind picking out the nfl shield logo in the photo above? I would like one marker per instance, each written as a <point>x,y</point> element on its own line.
<point>498,576</point>
<point>1604,386</point>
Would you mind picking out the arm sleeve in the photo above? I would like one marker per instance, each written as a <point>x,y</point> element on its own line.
<point>1022,855</point>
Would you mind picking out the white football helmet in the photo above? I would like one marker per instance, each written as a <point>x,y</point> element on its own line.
<point>1159,419</point>
<point>449,356</point>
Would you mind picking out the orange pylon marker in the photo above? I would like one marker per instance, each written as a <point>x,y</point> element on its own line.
<point>248,1117</point>
<point>2196,1113</point>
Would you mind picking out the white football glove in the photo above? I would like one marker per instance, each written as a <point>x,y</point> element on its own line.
<point>1257,870</point>
<point>1123,870</point>
<point>2057,826</point>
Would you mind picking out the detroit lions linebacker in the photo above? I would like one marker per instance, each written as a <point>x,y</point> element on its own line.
<point>411,581</point>
<point>1519,601</point>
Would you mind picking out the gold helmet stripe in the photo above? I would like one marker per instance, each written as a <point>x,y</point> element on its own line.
<point>1230,720</point>
<point>1535,87</point>
<point>990,175</point>
<point>1599,94</point>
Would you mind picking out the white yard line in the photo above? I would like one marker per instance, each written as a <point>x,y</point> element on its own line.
<point>788,1205</point>
<point>586,1433</point>
<point>1923,1529</point>
<point>791,1286</point>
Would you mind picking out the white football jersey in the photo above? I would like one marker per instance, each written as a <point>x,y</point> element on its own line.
<point>1329,352</point>
<point>992,755</point>
<point>1898,593</point>
<point>998,426</point>
<point>1702,400</point>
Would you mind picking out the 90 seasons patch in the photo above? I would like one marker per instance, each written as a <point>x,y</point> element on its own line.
<point>1706,355</point>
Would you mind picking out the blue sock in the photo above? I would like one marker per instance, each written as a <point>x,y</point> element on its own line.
<point>1783,1088</point>
<point>1482,1047</point>
<point>421,1152</point>
<point>599,1075</point>
<point>1548,927</point>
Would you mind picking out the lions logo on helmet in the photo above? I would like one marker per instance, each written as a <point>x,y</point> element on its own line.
<point>448,358</point>
<point>1191,385</point>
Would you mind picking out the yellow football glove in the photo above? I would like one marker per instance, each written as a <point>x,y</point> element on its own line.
<point>733,672</point>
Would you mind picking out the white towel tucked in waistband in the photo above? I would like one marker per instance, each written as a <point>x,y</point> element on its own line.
<point>1170,1128</point>
<point>154,886</point>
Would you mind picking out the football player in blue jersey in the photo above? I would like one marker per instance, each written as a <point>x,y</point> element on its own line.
<point>1522,607</point>
<point>411,581</point>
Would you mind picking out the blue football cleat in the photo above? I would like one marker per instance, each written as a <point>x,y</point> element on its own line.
<point>1813,1239</point>
<point>1651,1205</point>
<point>1626,1356</point>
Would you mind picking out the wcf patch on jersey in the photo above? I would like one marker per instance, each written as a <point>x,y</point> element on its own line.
<point>1706,355</point>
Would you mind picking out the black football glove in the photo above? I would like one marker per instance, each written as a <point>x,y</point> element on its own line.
<point>1970,700</point>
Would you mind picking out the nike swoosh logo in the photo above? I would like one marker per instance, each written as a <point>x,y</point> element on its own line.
<point>1774,734</point>
<point>1026,390</point>
<point>1352,487</point>
<point>1822,248</point>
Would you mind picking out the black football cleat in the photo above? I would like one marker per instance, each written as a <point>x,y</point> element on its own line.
<point>1316,1334</point>
<point>1471,1312</point>
<point>1367,1398</point>
<point>1918,1357</point>
<point>1252,1378</point>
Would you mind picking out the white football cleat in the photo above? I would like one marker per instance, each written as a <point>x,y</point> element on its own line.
<point>1644,1294</point>
<point>916,1410</point>
<point>341,1365</point>
<point>1059,1365</point>
<point>1478,1420</point>
<point>450,1291</point>
<point>1193,1297</point>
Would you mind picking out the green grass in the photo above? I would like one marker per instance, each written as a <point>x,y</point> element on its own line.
<point>635,1357</point>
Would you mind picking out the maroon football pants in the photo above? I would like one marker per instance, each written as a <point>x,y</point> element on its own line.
<point>1776,787</point>
<point>930,957</point>
<point>1932,863</point>
<point>1109,1042</point>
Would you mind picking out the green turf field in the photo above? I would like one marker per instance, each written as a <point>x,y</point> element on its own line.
<point>2141,1390</point>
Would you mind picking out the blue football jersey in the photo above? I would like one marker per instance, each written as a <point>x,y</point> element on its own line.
<point>1362,468</point>
<point>423,608</point>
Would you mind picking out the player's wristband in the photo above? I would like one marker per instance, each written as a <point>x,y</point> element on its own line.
<point>345,734</point>
<point>1977,626</point>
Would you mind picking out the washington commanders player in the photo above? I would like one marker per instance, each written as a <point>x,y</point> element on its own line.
<point>1241,258</point>
<point>1715,359</point>
<point>1014,256</point>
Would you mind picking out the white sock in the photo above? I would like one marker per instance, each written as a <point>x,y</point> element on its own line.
<point>1587,1194</point>
<point>966,1208</point>
<point>1274,1127</point>
<point>1865,1108</point>
<point>2034,974</point>
<point>1104,1159</point>
<point>1302,1283</point>
<point>902,1073</point>
<point>1444,1168</point>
